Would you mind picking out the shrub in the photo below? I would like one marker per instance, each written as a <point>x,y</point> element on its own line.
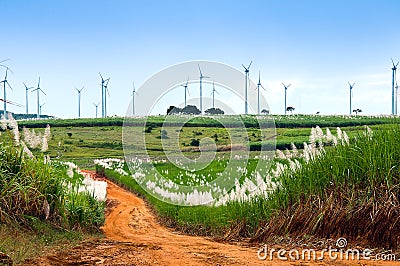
<point>194,142</point>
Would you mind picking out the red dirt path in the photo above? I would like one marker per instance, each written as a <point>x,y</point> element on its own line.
<point>133,237</point>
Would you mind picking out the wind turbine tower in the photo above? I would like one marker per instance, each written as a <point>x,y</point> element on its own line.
<point>394,68</point>
<point>259,85</point>
<point>26,97</point>
<point>201,89</point>
<point>246,81</point>
<point>351,95</point>
<point>40,108</point>
<point>106,91</point>
<point>286,87</point>
<point>186,90</point>
<point>96,105</point>
<point>38,89</point>
<point>213,95</point>
<point>5,83</point>
<point>79,101</point>
<point>103,81</point>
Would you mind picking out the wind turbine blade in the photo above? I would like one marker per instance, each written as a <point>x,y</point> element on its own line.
<point>188,91</point>
<point>201,74</point>
<point>244,67</point>
<point>205,77</point>
<point>288,85</point>
<point>38,83</point>
<point>9,85</point>
<point>101,77</point>
<point>42,91</point>
<point>262,87</point>
<point>8,69</point>
<point>249,65</point>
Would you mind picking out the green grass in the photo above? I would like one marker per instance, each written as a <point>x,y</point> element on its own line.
<point>290,121</point>
<point>101,138</point>
<point>40,203</point>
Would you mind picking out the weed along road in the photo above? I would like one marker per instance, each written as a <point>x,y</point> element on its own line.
<point>133,237</point>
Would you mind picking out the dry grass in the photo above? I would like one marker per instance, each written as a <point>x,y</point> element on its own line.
<point>360,218</point>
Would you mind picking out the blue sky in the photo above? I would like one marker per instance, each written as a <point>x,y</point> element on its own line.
<point>317,46</point>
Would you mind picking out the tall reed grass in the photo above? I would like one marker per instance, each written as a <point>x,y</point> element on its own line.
<point>36,188</point>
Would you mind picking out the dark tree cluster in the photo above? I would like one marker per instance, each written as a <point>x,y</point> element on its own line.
<point>187,110</point>
<point>214,111</point>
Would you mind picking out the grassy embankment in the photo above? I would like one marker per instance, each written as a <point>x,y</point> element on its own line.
<point>40,205</point>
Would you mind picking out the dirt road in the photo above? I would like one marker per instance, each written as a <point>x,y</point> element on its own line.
<point>133,237</point>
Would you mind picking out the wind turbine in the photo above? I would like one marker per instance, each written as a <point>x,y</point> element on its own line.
<point>79,101</point>
<point>246,80</point>
<point>133,98</point>
<point>5,82</point>
<point>258,91</point>
<point>26,97</point>
<point>105,96</point>
<point>351,95</point>
<point>186,90</point>
<point>96,105</point>
<point>213,94</point>
<point>103,81</point>
<point>38,89</point>
<point>40,108</point>
<point>201,89</point>
<point>394,68</point>
<point>286,87</point>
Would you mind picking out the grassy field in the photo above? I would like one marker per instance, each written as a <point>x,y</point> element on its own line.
<point>339,191</point>
<point>82,140</point>
<point>293,198</point>
<point>292,121</point>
